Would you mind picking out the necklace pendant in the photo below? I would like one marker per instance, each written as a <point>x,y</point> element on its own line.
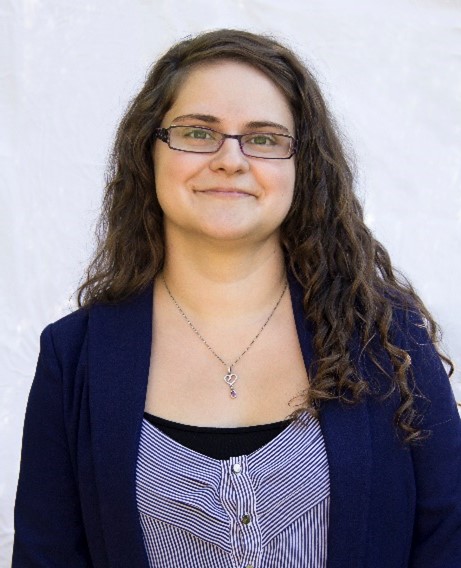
<point>231,378</point>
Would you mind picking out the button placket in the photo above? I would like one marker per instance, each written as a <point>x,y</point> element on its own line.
<point>245,528</point>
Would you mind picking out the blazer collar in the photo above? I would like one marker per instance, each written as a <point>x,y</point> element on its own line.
<point>120,338</point>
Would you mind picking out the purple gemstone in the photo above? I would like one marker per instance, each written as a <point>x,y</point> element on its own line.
<point>233,394</point>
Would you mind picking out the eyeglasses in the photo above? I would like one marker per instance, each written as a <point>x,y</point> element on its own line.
<point>202,140</point>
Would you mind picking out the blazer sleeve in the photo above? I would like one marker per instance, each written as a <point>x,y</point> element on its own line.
<point>436,460</point>
<point>49,531</point>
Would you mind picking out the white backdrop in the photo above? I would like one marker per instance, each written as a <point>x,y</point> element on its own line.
<point>390,70</point>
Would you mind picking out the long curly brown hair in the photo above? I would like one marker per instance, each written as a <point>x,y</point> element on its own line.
<point>349,283</point>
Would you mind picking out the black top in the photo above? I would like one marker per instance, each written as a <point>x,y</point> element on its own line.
<point>219,443</point>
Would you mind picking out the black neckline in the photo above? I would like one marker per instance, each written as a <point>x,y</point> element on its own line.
<point>212,429</point>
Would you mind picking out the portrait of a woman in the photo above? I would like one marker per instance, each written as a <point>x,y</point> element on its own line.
<point>247,382</point>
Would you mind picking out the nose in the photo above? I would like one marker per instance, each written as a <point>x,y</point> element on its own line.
<point>229,158</point>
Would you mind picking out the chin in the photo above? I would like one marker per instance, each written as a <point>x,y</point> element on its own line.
<point>230,235</point>
<point>240,234</point>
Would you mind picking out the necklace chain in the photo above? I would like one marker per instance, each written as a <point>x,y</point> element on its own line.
<point>231,377</point>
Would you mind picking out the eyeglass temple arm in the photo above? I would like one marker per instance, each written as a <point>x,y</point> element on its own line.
<point>162,134</point>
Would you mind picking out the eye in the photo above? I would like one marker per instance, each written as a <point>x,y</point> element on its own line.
<point>262,139</point>
<point>198,133</point>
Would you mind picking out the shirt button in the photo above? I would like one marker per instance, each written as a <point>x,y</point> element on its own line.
<point>246,519</point>
<point>236,468</point>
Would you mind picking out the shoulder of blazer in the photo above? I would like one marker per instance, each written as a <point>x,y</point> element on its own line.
<point>68,333</point>
<point>71,325</point>
<point>67,336</point>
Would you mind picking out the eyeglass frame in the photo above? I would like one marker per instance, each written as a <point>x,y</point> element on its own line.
<point>163,134</point>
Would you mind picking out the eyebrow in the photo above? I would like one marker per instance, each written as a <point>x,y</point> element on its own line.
<point>213,120</point>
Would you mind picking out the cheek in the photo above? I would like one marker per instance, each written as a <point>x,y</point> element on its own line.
<point>283,181</point>
<point>161,159</point>
<point>287,185</point>
<point>167,173</point>
<point>175,169</point>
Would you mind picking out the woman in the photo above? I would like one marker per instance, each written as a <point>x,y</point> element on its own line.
<point>247,382</point>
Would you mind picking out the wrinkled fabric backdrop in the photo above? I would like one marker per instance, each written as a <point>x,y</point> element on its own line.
<point>390,71</point>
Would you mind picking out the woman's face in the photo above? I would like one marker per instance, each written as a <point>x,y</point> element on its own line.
<point>225,196</point>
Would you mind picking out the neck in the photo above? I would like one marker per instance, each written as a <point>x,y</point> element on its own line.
<point>217,285</point>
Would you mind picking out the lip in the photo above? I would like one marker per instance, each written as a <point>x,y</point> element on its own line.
<point>225,192</point>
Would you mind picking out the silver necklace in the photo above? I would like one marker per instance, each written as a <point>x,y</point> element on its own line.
<point>230,378</point>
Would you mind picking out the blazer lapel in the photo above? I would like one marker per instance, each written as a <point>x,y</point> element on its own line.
<point>346,434</point>
<point>119,355</point>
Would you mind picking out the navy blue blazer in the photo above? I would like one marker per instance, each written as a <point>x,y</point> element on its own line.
<point>391,506</point>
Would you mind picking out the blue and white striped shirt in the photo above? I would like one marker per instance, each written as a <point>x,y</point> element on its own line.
<point>264,510</point>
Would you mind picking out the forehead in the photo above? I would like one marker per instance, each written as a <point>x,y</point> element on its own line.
<point>234,93</point>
